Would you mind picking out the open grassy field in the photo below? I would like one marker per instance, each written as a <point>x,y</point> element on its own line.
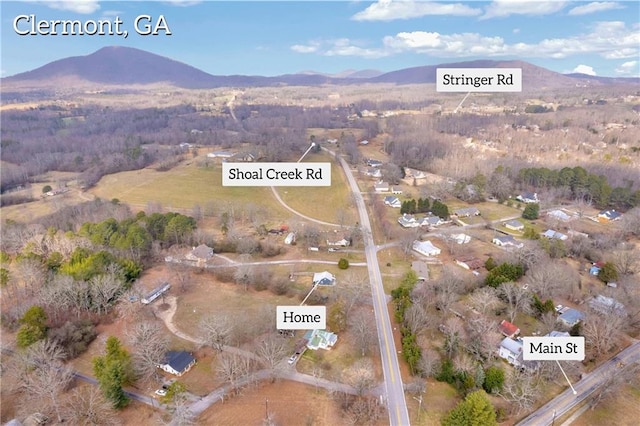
<point>183,187</point>
<point>327,203</point>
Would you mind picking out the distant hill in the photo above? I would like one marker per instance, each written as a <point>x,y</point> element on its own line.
<point>533,77</point>
<point>126,65</point>
<point>118,65</point>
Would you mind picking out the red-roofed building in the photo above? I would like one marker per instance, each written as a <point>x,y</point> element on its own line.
<point>508,329</point>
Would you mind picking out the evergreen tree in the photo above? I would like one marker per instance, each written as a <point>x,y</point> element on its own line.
<point>475,410</point>
<point>113,371</point>
<point>33,327</point>
<point>440,209</point>
<point>493,380</point>
<point>608,273</point>
<point>531,211</point>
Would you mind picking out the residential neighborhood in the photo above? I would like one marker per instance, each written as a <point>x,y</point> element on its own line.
<point>331,215</point>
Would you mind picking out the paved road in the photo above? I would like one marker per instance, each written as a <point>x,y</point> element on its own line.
<point>564,402</point>
<point>394,391</point>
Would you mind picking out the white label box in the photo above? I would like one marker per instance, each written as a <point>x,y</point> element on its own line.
<point>553,348</point>
<point>276,174</point>
<point>301,317</point>
<point>479,80</point>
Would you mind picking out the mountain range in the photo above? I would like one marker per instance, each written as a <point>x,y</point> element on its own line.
<point>118,65</point>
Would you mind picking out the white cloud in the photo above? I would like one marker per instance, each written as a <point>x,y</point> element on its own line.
<point>594,7</point>
<point>584,69</point>
<point>389,10</point>
<point>503,8</point>
<point>610,40</point>
<point>630,68</point>
<point>346,47</point>
<point>184,3</point>
<point>301,48</point>
<point>516,31</point>
<point>77,6</point>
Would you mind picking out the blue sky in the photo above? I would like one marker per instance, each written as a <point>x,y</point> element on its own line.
<point>271,38</point>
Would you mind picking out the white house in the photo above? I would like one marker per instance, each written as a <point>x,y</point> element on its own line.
<point>290,238</point>
<point>155,293</point>
<point>511,350</point>
<point>460,238</point>
<point>559,215</point>
<point>467,212</point>
<point>220,154</point>
<point>426,248</point>
<point>506,241</point>
<point>320,339</point>
<point>392,201</point>
<point>408,221</point>
<point>528,197</point>
<point>381,186</point>
<point>554,235</point>
<point>514,225</point>
<point>324,278</point>
<point>177,362</point>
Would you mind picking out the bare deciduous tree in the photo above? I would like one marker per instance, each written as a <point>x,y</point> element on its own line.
<point>43,377</point>
<point>87,406</point>
<point>149,343</point>
<point>181,414</point>
<point>428,363</point>
<point>272,349</point>
<point>362,325</point>
<point>484,300</point>
<point>518,299</point>
<point>216,331</point>
<point>482,337</point>
<point>602,331</point>
<point>236,370</point>
<point>521,389</point>
<point>361,375</point>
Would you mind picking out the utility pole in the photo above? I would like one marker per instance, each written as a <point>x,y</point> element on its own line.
<point>266,409</point>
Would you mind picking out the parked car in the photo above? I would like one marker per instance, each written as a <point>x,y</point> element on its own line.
<point>161,392</point>
<point>292,359</point>
<point>333,249</point>
<point>559,308</point>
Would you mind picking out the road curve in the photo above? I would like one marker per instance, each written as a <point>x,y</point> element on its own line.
<point>564,402</point>
<point>286,206</point>
<point>393,387</point>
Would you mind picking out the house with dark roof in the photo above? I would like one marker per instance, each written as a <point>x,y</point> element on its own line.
<point>202,253</point>
<point>392,201</point>
<point>514,225</point>
<point>467,212</point>
<point>324,278</point>
<point>608,216</point>
<point>571,317</point>
<point>528,197</point>
<point>155,293</point>
<point>177,362</point>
